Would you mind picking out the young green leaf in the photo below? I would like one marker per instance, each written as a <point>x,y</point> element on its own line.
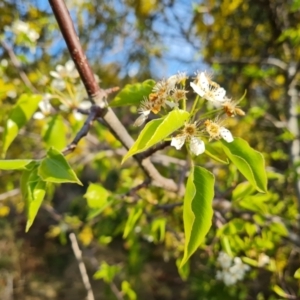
<point>249,162</point>
<point>18,117</point>
<point>128,291</point>
<point>280,292</point>
<point>33,191</point>
<point>184,271</point>
<point>55,168</point>
<point>97,199</point>
<point>242,190</point>
<point>297,274</point>
<point>133,217</point>
<point>15,164</point>
<point>157,130</point>
<point>54,133</point>
<point>197,210</point>
<point>133,94</point>
<point>107,272</point>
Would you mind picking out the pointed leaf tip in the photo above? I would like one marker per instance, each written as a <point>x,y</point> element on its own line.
<point>197,210</point>
<point>55,168</point>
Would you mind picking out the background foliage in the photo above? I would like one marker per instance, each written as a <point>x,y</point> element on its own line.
<point>132,240</point>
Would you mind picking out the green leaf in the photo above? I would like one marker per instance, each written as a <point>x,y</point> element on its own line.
<point>225,244</point>
<point>280,292</point>
<point>214,151</point>
<point>184,271</point>
<point>133,217</point>
<point>18,117</point>
<point>33,191</point>
<point>158,229</point>
<point>107,272</point>
<point>157,130</point>
<point>128,291</point>
<point>279,228</point>
<point>54,133</point>
<point>15,164</point>
<point>197,210</point>
<point>242,190</point>
<point>297,274</point>
<point>55,168</point>
<point>250,261</point>
<point>248,161</point>
<point>133,94</point>
<point>97,199</point>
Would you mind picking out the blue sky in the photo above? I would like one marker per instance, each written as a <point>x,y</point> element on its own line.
<point>176,50</point>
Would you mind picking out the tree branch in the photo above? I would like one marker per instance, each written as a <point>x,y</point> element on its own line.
<point>255,60</point>
<point>81,265</point>
<point>293,125</point>
<point>98,95</point>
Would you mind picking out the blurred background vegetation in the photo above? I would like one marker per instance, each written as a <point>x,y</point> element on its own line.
<point>250,46</point>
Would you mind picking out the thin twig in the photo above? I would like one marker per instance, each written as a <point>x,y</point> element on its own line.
<point>152,150</point>
<point>17,64</point>
<point>95,112</point>
<point>168,206</point>
<point>81,265</point>
<point>247,60</point>
<point>8,194</point>
<point>115,290</point>
<point>133,190</point>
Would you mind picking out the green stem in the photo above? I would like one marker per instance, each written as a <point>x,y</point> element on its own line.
<point>194,106</point>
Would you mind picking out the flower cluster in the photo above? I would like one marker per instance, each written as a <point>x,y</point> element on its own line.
<point>168,93</point>
<point>63,72</point>
<point>20,27</point>
<point>233,269</point>
<point>165,93</point>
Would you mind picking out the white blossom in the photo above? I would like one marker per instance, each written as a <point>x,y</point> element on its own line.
<point>45,108</point>
<point>216,131</point>
<point>66,71</point>
<point>21,27</point>
<point>144,111</point>
<point>263,260</point>
<point>189,133</point>
<point>224,260</point>
<point>58,84</point>
<point>208,89</point>
<point>233,269</point>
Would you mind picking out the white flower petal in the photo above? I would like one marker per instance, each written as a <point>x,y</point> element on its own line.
<point>58,84</point>
<point>171,104</point>
<point>140,120</point>
<point>70,65</point>
<point>60,68</point>
<point>178,141</point>
<point>38,116</point>
<point>219,94</point>
<point>78,116</point>
<point>171,82</point>
<point>55,74</point>
<point>197,89</point>
<point>226,135</point>
<point>197,146</point>
<point>45,106</point>
<point>203,82</point>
